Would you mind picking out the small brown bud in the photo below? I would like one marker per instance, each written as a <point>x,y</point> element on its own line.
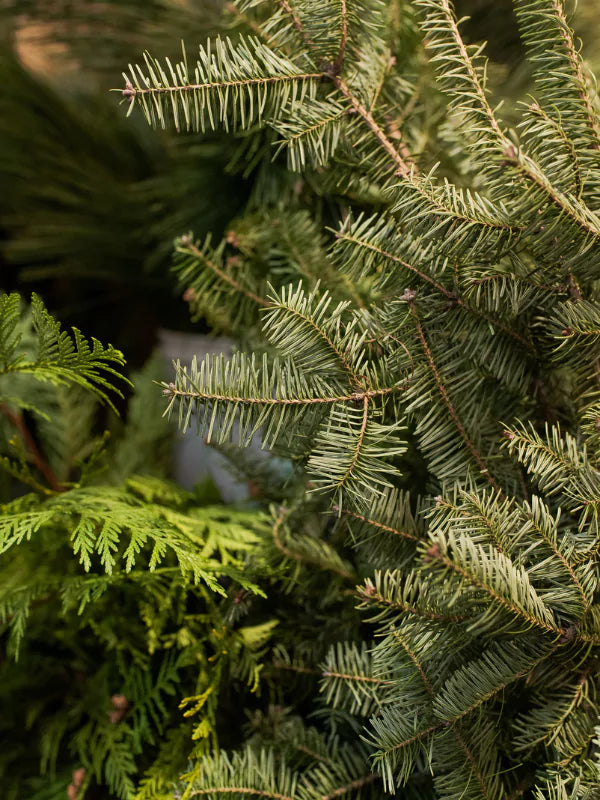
<point>185,240</point>
<point>369,590</point>
<point>254,489</point>
<point>168,390</point>
<point>233,261</point>
<point>567,331</point>
<point>72,792</point>
<point>432,553</point>
<point>509,435</point>
<point>598,424</point>
<point>189,295</point>
<point>119,701</point>
<point>438,499</point>
<point>568,634</point>
<point>239,596</point>
<point>120,705</point>
<point>129,92</point>
<point>78,776</point>
<point>510,153</point>
<point>231,238</point>
<point>408,296</point>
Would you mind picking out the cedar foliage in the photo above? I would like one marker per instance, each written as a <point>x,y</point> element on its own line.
<point>421,342</point>
<point>118,590</point>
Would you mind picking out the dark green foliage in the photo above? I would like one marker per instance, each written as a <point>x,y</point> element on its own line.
<point>429,367</point>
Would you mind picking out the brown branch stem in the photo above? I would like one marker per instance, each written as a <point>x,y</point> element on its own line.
<point>38,460</point>
<point>197,253</point>
<point>283,401</point>
<point>381,526</point>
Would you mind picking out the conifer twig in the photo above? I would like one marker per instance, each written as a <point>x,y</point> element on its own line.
<point>448,403</point>
<point>283,512</point>
<point>359,396</point>
<point>343,38</point>
<point>575,64</point>
<point>352,786</point>
<point>402,168</point>
<point>379,525</point>
<point>455,730</point>
<point>195,251</point>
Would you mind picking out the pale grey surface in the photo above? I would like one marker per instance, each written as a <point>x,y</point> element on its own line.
<point>194,460</point>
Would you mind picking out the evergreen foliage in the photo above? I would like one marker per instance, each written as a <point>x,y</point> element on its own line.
<point>429,365</point>
<point>116,585</point>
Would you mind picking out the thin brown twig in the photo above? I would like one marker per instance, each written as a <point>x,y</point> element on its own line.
<point>282,401</point>
<point>38,460</point>
<point>197,253</point>
<point>450,295</point>
<point>359,444</point>
<point>402,168</point>
<point>381,526</point>
<point>350,787</point>
<point>375,597</point>
<point>357,678</point>
<point>297,23</point>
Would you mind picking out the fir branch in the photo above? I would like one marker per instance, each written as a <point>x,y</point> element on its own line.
<point>434,553</point>
<point>447,402</point>
<point>401,167</point>
<point>170,390</point>
<point>234,85</point>
<point>337,64</point>
<point>357,783</point>
<point>358,447</point>
<point>370,595</point>
<point>190,247</point>
<point>474,766</point>
<point>376,524</point>
<point>450,295</point>
<point>304,558</point>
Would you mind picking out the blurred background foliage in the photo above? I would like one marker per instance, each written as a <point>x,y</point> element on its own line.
<point>90,202</point>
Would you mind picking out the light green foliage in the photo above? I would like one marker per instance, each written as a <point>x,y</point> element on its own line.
<point>429,367</point>
<point>115,587</point>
